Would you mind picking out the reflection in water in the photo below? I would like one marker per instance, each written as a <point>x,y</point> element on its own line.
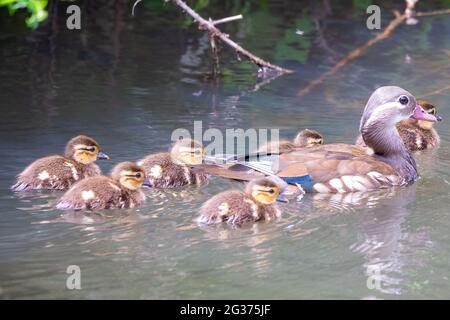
<point>253,239</point>
<point>387,247</point>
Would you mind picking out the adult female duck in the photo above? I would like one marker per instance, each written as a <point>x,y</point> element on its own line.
<point>335,168</point>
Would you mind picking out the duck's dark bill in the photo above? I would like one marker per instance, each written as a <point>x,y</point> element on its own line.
<point>282,198</point>
<point>147,183</point>
<point>421,114</point>
<point>102,156</point>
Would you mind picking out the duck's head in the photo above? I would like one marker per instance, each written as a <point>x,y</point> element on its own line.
<point>129,175</point>
<point>391,104</point>
<point>266,190</point>
<point>430,109</point>
<point>308,138</point>
<point>84,150</point>
<point>187,151</point>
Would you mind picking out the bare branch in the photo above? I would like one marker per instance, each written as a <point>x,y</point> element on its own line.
<point>134,6</point>
<point>228,19</point>
<point>214,32</point>
<point>358,52</point>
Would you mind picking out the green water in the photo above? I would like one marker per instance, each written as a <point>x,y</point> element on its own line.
<point>129,82</point>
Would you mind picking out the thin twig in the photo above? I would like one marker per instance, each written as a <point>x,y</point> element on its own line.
<point>356,53</point>
<point>214,32</point>
<point>433,13</point>
<point>435,92</point>
<point>228,19</point>
<point>134,6</point>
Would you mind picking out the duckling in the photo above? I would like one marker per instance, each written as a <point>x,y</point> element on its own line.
<point>172,169</point>
<point>419,134</point>
<point>60,172</point>
<point>255,203</point>
<point>120,190</point>
<point>305,139</point>
<point>416,134</point>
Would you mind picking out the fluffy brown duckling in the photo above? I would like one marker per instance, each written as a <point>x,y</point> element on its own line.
<point>60,172</point>
<point>416,134</point>
<point>173,169</point>
<point>120,190</point>
<point>255,203</point>
<point>419,134</point>
<point>305,139</point>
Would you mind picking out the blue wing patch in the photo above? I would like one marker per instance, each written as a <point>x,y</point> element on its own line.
<point>305,181</point>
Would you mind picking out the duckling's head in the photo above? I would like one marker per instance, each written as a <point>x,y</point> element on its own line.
<point>389,105</point>
<point>84,150</point>
<point>187,151</point>
<point>266,190</point>
<point>129,175</point>
<point>308,138</point>
<point>430,109</point>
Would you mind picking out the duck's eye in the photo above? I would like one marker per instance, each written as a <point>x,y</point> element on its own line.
<point>91,149</point>
<point>403,100</point>
<point>197,152</point>
<point>271,191</point>
<point>138,175</point>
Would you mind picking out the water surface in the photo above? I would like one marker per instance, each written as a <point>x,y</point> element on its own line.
<point>130,82</point>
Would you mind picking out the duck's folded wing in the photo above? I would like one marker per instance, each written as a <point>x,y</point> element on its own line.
<point>233,171</point>
<point>337,168</point>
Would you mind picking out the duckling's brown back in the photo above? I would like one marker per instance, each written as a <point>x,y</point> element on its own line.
<point>163,173</point>
<point>93,193</point>
<point>281,146</point>
<point>235,207</point>
<point>416,138</point>
<point>52,172</point>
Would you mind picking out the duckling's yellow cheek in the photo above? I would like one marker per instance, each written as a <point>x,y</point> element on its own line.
<point>264,197</point>
<point>427,125</point>
<point>192,159</point>
<point>198,159</point>
<point>129,183</point>
<point>84,157</point>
